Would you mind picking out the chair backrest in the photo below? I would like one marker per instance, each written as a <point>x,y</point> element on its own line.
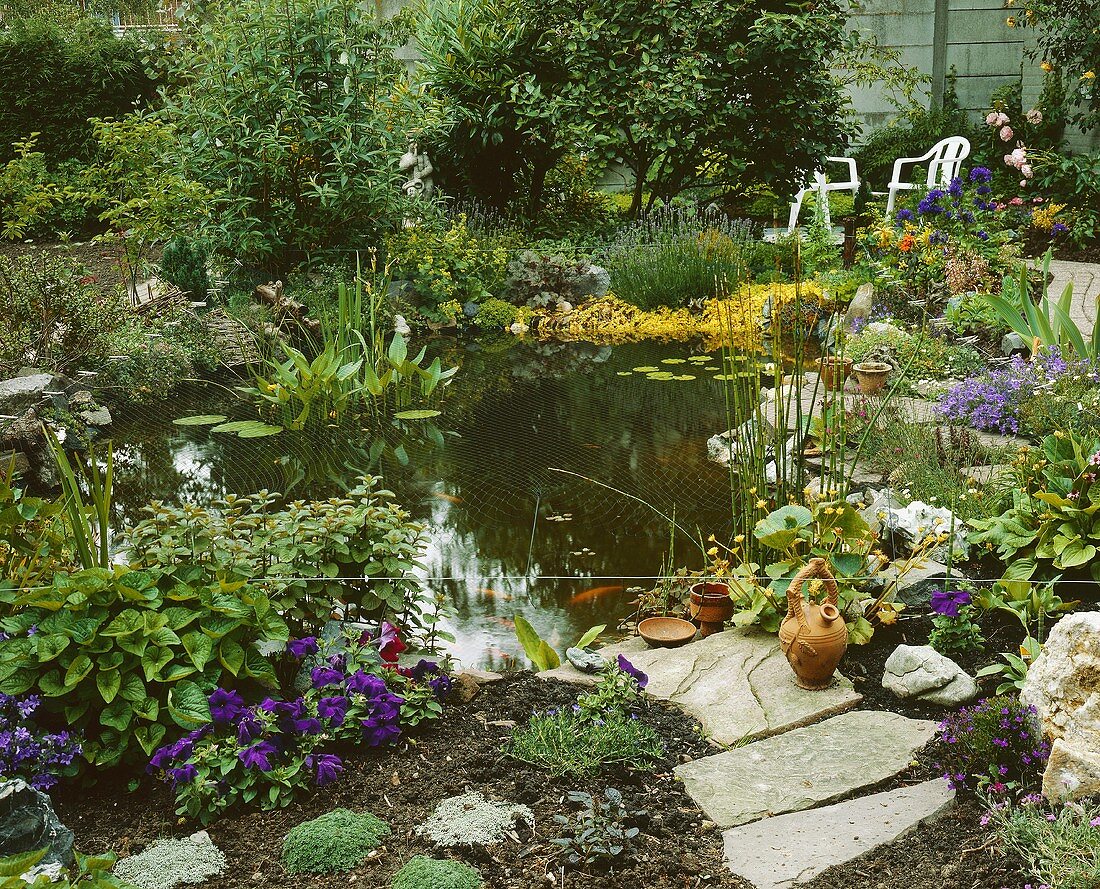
<point>945,159</point>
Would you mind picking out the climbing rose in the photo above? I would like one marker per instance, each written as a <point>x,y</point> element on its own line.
<point>1006,134</point>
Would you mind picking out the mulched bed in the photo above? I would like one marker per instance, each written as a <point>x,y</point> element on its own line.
<point>402,785</point>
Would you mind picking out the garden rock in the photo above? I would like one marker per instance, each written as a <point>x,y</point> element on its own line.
<point>805,767</point>
<point>915,587</point>
<point>1013,343</point>
<point>97,418</point>
<point>914,522</point>
<point>788,850</point>
<point>585,661</point>
<point>168,863</point>
<point>724,446</point>
<point>20,394</point>
<point>859,309</point>
<point>595,282</point>
<point>472,820</point>
<point>1063,685</point>
<point>28,823</point>
<point>464,688</point>
<point>921,672</point>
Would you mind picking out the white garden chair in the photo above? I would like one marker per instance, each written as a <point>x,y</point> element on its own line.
<point>944,160</point>
<point>822,187</point>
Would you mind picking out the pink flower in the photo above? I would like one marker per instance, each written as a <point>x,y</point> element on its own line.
<point>1009,161</point>
<point>1095,822</point>
<point>1016,202</point>
<point>992,119</point>
<point>1019,156</point>
<point>1027,171</point>
<point>1006,134</point>
<point>1035,116</point>
<point>1023,183</point>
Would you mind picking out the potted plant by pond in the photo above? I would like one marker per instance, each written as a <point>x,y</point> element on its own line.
<point>834,371</point>
<point>872,375</point>
<point>711,605</point>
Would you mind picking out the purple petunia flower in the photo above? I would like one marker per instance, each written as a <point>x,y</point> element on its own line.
<point>248,729</point>
<point>325,676</point>
<point>365,683</point>
<point>334,709</point>
<point>258,756</point>
<point>633,671</point>
<point>299,648</point>
<point>327,767</point>
<point>225,706</point>
<point>184,774</point>
<point>948,602</point>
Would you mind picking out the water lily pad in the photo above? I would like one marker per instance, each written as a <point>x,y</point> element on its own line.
<point>199,420</point>
<point>259,430</point>
<point>645,369</point>
<point>698,358</point>
<point>623,373</point>
<point>416,415</point>
<point>684,377</point>
<point>712,367</point>
<point>673,361</point>
<point>725,377</point>
<point>660,375</point>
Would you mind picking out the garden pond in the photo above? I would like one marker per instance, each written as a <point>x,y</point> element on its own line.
<point>508,532</point>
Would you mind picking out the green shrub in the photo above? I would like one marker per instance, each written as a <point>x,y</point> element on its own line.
<point>927,357</point>
<point>435,873</point>
<point>335,842</point>
<point>291,552</point>
<point>1061,848</point>
<point>545,280</point>
<point>317,168</point>
<point>55,77</point>
<point>183,263</point>
<point>121,661</point>
<point>564,743</point>
<point>495,314</point>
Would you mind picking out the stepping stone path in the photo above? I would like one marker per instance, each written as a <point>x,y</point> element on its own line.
<point>782,852</point>
<point>737,684</point>
<point>787,797</point>
<point>805,767</point>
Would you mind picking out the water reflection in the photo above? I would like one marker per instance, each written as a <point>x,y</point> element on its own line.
<point>508,534</point>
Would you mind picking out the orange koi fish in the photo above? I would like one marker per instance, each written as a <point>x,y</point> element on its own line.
<point>594,593</point>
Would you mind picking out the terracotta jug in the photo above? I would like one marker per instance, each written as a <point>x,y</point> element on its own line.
<point>710,606</point>
<point>813,637</point>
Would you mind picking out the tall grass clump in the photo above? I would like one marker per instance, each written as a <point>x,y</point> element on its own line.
<point>674,257</point>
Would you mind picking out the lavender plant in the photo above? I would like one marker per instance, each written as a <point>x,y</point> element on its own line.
<point>994,746</point>
<point>38,756</point>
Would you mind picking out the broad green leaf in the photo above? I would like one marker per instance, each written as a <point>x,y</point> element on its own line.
<point>416,415</point>
<point>590,636</point>
<point>187,705</point>
<point>109,682</point>
<point>200,648</point>
<point>199,420</point>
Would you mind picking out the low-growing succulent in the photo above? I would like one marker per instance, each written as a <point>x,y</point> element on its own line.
<point>335,842</point>
<point>436,873</point>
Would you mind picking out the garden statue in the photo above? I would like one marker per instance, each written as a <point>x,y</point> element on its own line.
<point>416,166</point>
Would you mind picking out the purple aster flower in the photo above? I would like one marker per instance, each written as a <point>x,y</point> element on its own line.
<point>258,756</point>
<point>299,648</point>
<point>948,602</point>
<point>225,706</point>
<point>327,767</point>
<point>633,671</point>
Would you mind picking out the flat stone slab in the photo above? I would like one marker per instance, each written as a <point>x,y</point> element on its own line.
<point>737,684</point>
<point>790,850</point>
<point>806,767</point>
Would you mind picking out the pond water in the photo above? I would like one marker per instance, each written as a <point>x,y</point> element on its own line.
<point>508,532</point>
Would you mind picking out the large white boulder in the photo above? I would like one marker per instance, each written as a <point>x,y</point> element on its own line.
<point>1063,685</point>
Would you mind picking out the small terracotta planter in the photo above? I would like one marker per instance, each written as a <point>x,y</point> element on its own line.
<point>710,607</point>
<point>666,632</point>
<point>872,376</point>
<point>834,371</point>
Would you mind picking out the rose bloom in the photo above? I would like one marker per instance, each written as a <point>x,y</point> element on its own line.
<point>1035,116</point>
<point>1006,134</point>
<point>992,119</point>
<point>1027,171</point>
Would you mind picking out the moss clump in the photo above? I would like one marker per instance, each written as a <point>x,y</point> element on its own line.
<point>433,873</point>
<point>332,843</point>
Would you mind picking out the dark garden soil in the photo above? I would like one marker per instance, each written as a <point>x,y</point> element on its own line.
<point>402,785</point>
<point>100,262</point>
<point>677,847</point>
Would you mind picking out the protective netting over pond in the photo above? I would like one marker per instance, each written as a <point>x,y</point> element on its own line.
<point>529,497</point>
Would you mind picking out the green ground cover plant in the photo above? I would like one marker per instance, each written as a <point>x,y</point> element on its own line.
<point>435,873</point>
<point>336,841</point>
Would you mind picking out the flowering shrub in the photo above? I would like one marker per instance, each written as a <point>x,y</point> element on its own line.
<point>1048,392</point>
<point>995,746</point>
<point>273,751</point>
<point>953,622</point>
<point>29,752</point>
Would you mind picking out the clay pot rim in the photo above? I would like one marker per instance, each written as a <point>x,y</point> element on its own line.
<point>872,367</point>
<point>668,640</point>
<point>834,361</point>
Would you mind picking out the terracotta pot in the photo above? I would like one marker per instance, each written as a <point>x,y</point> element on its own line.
<point>872,376</point>
<point>710,607</point>
<point>813,637</point>
<point>834,371</point>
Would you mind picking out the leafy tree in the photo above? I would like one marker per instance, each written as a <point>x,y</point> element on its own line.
<point>296,112</point>
<point>1069,42</point>
<point>507,129</point>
